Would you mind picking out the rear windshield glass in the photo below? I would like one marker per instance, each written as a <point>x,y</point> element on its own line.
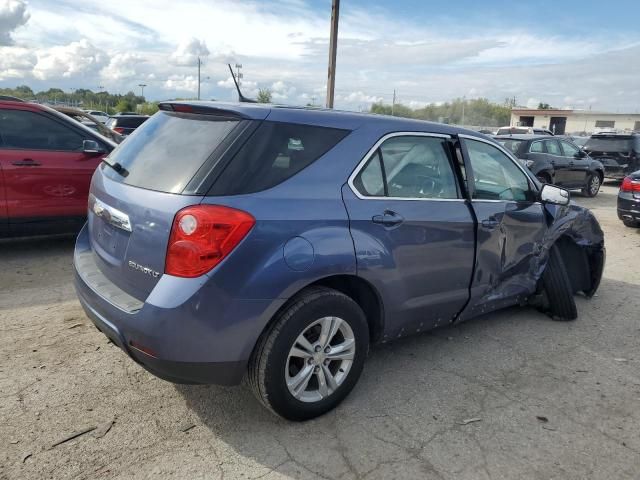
<point>130,122</point>
<point>609,144</point>
<point>510,144</point>
<point>167,150</point>
<point>275,152</point>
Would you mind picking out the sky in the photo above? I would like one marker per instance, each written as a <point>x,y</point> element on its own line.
<point>570,54</point>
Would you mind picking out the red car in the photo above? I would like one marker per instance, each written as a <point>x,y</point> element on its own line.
<point>46,164</point>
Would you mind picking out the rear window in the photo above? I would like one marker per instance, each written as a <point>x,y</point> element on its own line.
<point>609,144</point>
<point>167,151</point>
<point>510,144</point>
<point>275,152</point>
<point>130,122</point>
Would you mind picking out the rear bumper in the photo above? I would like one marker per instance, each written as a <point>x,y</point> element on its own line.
<point>197,336</point>
<point>628,207</point>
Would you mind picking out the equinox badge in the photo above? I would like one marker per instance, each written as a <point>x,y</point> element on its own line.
<point>143,269</point>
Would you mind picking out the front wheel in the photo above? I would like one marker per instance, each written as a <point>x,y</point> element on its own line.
<point>309,360</point>
<point>592,187</point>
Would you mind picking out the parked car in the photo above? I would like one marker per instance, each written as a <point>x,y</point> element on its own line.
<point>99,115</point>
<point>278,243</point>
<point>523,131</point>
<point>556,161</point>
<point>90,121</point>
<point>46,164</point>
<point>125,124</point>
<point>629,200</point>
<point>619,153</point>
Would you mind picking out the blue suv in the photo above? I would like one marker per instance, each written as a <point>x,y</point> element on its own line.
<point>231,241</point>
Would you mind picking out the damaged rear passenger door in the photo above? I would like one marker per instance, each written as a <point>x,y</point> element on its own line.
<point>511,227</point>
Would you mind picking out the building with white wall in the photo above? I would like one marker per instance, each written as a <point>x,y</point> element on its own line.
<point>574,121</point>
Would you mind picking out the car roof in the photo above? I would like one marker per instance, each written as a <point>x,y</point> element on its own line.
<point>327,117</point>
<point>522,136</point>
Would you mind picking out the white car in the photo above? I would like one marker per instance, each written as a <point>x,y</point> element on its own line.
<point>102,117</point>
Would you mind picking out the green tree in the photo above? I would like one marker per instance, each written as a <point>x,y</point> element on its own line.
<point>264,95</point>
<point>544,106</point>
<point>124,105</point>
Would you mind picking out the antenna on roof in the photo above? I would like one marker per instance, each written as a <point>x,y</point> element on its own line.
<point>241,97</point>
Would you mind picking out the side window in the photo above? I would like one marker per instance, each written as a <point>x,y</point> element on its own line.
<point>418,167</point>
<point>409,167</point>
<point>496,176</point>
<point>370,180</point>
<point>32,131</point>
<point>569,150</point>
<point>536,147</point>
<point>553,148</point>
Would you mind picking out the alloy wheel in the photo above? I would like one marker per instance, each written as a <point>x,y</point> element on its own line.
<point>594,185</point>
<point>320,359</point>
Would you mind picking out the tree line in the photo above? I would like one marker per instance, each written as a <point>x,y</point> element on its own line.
<point>476,112</point>
<point>86,99</point>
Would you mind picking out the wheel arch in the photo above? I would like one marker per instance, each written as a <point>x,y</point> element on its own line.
<point>583,264</point>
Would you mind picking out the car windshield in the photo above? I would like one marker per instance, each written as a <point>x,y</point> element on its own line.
<point>510,144</point>
<point>609,144</point>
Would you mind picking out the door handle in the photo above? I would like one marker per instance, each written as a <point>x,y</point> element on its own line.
<point>26,162</point>
<point>490,223</point>
<point>571,164</point>
<point>388,219</point>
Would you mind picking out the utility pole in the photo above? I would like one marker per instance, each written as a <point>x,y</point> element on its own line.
<point>199,64</point>
<point>393,103</point>
<point>142,85</point>
<point>464,101</point>
<point>239,77</point>
<point>100,88</point>
<point>333,49</point>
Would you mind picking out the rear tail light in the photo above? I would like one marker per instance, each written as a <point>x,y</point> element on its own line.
<point>202,235</point>
<point>630,185</point>
<point>118,130</point>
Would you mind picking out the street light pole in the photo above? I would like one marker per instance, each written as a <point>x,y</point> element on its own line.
<point>333,48</point>
<point>142,85</point>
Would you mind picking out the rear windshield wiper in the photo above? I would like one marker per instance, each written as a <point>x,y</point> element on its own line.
<point>117,167</point>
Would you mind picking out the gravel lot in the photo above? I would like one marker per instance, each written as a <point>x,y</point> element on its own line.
<point>554,400</point>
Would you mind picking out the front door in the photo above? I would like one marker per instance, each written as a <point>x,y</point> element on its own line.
<point>46,173</point>
<point>511,226</point>
<point>412,230</point>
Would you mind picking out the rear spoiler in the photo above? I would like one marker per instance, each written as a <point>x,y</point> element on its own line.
<point>180,107</point>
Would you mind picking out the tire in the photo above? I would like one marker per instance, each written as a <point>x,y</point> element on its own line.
<point>592,187</point>
<point>544,177</point>
<point>631,223</point>
<point>272,364</point>
<point>560,304</point>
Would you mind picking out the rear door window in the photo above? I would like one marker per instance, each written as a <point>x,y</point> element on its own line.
<point>274,153</point>
<point>553,148</point>
<point>409,167</point>
<point>168,149</point>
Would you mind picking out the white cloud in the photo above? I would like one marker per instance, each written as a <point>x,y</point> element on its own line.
<point>16,62</point>
<point>182,83</point>
<point>122,66</point>
<point>77,59</point>
<point>13,14</point>
<point>188,52</point>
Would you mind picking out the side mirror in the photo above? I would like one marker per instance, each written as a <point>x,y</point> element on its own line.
<point>91,147</point>
<point>554,195</point>
<point>581,154</point>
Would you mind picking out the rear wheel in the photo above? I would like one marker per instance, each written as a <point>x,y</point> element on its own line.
<point>592,187</point>
<point>312,356</point>
<point>559,303</point>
